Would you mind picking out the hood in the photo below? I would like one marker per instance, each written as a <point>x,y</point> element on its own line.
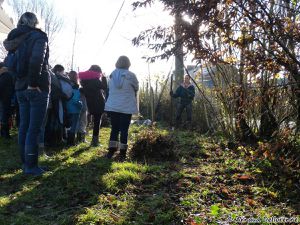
<point>15,37</point>
<point>88,75</point>
<point>118,77</point>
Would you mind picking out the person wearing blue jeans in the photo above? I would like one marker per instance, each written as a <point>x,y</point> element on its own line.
<point>32,85</point>
<point>32,106</point>
<point>120,105</point>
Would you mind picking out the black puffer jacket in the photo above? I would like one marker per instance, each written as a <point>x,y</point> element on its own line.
<point>94,88</point>
<point>36,73</point>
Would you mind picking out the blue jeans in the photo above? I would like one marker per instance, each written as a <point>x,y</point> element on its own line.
<point>119,125</point>
<point>74,122</point>
<point>32,107</point>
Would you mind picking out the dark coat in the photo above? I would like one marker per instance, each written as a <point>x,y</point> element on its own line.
<point>186,95</point>
<point>94,88</point>
<point>37,55</point>
<point>6,86</point>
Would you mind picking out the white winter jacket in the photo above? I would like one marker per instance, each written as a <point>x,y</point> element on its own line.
<point>122,92</point>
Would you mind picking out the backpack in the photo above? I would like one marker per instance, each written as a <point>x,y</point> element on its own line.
<point>17,61</point>
<point>66,87</point>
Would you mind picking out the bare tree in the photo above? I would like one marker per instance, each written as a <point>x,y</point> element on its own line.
<point>45,10</point>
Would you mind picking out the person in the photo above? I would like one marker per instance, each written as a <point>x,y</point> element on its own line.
<point>82,131</point>
<point>74,106</point>
<point>55,123</point>
<point>186,93</point>
<point>32,87</point>
<point>94,87</point>
<point>120,105</point>
<point>6,94</point>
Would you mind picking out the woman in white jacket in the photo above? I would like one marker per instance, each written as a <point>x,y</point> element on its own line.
<point>120,105</point>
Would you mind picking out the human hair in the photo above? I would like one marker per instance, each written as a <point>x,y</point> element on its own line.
<point>123,62</point>
<point>28,19</point>
<point>95,68</point>
<point>73,76</point>
<point>58,68</point>
<point>186,76</point>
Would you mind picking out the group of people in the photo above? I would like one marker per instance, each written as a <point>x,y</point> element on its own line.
<point>53,105</point>
<point>49,100</point>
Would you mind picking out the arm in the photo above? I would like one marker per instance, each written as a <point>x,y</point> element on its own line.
<point>36,61</point>
<point>192,92</point>
<point>134,82</point>
<point>104,84</point>
<point>177,93</point>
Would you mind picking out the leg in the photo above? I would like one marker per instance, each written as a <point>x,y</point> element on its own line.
<point>6,114</point>
<point>82,126</point>
<point>114,134</point>
<point>74,118</point>
<point>96,128</point>
<point>41,138</point>
<point>24,113</point>
<point>179,111</point>
<point>189,112</point>
<point>124,126</point>
<point>38,106</point>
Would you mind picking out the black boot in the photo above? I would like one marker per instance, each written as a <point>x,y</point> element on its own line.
<point>122,154</point>
<point>113,147</point>
<point>111,152</point>
<point>31,162</point>
<point>95,141</point>
<point>81,138</point>
<point>71,139</point>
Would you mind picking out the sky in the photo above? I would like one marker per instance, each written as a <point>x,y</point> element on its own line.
<point>94,20</point>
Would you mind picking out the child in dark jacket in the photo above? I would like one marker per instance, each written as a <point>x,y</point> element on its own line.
<point>74,106</point>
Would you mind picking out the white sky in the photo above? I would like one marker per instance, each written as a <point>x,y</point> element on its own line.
<point>95,18</point>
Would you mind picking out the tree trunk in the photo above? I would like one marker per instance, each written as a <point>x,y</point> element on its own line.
<point>244,132</point>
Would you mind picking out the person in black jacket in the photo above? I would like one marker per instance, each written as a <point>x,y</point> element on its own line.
<point>94,86</point>
<point>186,93</point>
<point>32,87</point>
<point>6,94</point>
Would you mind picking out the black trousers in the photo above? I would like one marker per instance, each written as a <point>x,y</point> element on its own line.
<point>119,125</point>
<point>97,123</point>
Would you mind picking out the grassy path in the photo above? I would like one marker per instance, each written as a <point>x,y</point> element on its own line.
<point>206,185</point>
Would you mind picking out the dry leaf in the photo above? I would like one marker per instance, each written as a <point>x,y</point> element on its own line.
<point>250,202</point>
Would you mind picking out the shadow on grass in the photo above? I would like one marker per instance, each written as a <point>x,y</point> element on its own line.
<point>58,196</point>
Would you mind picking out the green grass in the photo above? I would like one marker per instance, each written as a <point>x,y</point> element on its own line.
<point>201,187</point>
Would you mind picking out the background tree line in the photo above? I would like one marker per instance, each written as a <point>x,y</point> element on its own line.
<point>250,49</point>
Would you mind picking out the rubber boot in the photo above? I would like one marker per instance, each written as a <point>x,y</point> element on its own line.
<point>31,162</point>
<point>122,154</point>
<point>113,147</point>
<point>81,138</point>
<point>95,141</point>
<point>71,139</point>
